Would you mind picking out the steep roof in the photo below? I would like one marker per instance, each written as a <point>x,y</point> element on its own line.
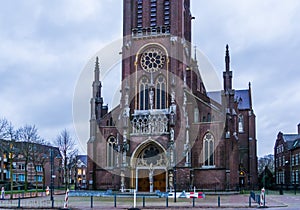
<point>296,144</point>
<point>241,96</point>
<point>290,139</point>
<point>243,99</point>
<point>216,96</point>
<point>82,158</point>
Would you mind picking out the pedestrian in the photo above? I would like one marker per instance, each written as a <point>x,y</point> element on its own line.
<point>47,190</point>
<point>2,193</point>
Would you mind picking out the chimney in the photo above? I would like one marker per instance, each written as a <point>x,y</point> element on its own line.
<point>299,128</point>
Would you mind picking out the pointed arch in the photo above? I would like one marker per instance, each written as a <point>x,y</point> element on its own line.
<point>110,152</point>
<point>144,93</point>
<point>160,92</point>
<point>136,154</point>
<point>208,147</point>
<point>241,123</point>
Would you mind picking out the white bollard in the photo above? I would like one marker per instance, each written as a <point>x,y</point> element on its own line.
<point>66,199</point>
<point>262,197</point>
<point>134,198</point>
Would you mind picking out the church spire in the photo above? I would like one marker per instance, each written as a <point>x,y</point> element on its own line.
<point>227,74</point>
<point>227,59</point>
<point>97,70</point>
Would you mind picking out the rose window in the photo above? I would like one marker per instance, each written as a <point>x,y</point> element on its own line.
<point>152,60</point>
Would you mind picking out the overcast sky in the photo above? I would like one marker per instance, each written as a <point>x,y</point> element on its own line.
<point>45,46</point>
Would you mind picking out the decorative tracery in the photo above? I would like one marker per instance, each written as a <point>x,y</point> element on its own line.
<point>151,155</point>
<point>152,59</point>
<point>110,152</point>
<point>144,93</point>
<point>160,92</point>
<point>208,145</point>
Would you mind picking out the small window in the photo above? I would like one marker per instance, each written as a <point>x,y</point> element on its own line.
<point>39,168</point>
<point>22,166</point>
<point>196,115</point>
<point>39,178</point>
<point>241,123</point>
<point>21,177</point>
<point>208,117</point>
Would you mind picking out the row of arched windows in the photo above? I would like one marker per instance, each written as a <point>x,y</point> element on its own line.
<point>205,118</point>
<point>208,151</point>
<point>159,93</point>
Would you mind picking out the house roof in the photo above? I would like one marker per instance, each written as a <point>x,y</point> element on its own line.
<point>296,144</point>
<point>240,96</point>
<point>82,158</point>
<point>290,139</point>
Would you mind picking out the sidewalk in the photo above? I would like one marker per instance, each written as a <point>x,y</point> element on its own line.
<point>210,201</point>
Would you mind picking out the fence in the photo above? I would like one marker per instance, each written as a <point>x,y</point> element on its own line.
<point>30,203</point>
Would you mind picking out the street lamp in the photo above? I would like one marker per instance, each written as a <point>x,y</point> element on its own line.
<point>174,179</point>
<point>52,176</point>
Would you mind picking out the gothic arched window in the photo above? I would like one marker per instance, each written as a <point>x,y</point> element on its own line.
<point>208,145</point>
<point>160,93</point>
<point>110,152</point>
<point>241,123</point>
<point>144,93</point>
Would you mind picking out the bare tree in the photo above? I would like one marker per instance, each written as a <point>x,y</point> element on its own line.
<point>266,161</point>
<point>8,146</point>
<point>38,158</point>
<point>3,128</point>
<point>28,135</point>
<point>67,148</point>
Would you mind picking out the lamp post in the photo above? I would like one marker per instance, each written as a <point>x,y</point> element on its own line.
<point>52,176</point>
<point>295,186</point>
<point>174,179</point>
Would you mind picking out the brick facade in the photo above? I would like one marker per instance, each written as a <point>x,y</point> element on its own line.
<point>168,130</point>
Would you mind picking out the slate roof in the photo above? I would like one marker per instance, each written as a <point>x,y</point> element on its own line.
<point>82,158</point>
<point>241,96</point>
<point>290,139</point>
<point>215,95</point>
<point>296,144</point>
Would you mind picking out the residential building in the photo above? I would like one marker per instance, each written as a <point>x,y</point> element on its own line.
<point>287,154</point>
<point>16,156</point>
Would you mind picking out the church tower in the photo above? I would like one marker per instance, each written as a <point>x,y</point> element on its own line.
<point>156,54</point>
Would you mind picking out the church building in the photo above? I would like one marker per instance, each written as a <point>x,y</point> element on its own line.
<point>169,132</point>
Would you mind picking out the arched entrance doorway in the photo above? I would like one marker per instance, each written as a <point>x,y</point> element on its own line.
<point>150,166</point>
